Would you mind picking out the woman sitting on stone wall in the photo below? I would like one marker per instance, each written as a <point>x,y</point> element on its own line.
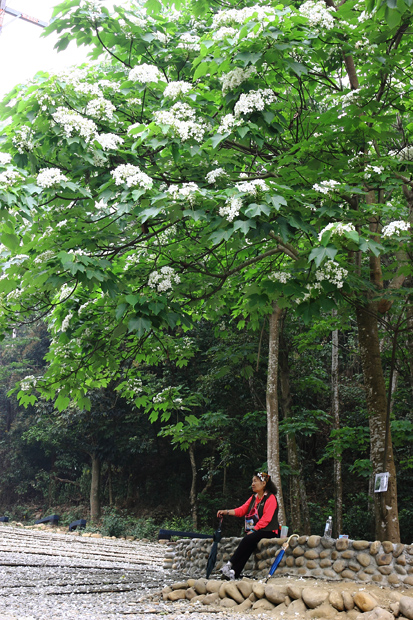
<point>261,521</point>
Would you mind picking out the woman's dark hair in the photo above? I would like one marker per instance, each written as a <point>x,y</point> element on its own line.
<point>269,484</point>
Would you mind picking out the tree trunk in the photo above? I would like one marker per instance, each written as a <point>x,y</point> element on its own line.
<point>95,488</point>
<point>381,450</point>
<point>110,490</point>
<point>273,443</point>
<point>305,512</point>
<point>338,481</point>
<point>193,495</point>
<point>410,341</point>
<point>292,451</point>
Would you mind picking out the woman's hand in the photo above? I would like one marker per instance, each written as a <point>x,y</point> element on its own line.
<point>222,513</point>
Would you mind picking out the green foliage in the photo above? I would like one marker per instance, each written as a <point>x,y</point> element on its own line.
<point>268,177</point>
<point>113,523</point>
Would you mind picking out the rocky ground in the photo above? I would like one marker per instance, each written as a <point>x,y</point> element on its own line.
<point>51,575</point>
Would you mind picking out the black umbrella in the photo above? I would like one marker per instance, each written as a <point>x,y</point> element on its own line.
<point>213,553</point>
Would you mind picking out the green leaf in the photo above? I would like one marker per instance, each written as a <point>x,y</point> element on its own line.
<point>254,210</point>
<point>248,57</point>
<point>10,241</point>
<point>218,138</point>
<point>318,255</point>
<point>120,311</point>
<point>139,325</point>
<point>221,235</point>
<point>298,68</point>
<point>244,225</point>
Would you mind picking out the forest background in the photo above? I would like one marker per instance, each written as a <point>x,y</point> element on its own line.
<point>207,266</point>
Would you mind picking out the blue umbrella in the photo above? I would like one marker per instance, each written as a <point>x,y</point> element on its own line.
<point>280,556</point>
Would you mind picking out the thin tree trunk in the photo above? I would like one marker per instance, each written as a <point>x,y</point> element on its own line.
<point>273,443</point>
<point>110,485</point>
<point>192,495</point>
<point>410,341</point>
<point>338,481</point>
<point>381,451</point>
<point>95,488</point>
<point>292,455</point>
<point>305,511</point>
<point>224,482</point>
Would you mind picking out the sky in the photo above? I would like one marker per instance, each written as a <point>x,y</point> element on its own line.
<point>23,51</point>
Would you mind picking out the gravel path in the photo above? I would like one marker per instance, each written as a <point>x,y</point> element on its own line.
<point>50,576</point>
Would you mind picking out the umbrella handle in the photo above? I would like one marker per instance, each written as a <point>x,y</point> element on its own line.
<point>292,536</point>
<point>287,542</point>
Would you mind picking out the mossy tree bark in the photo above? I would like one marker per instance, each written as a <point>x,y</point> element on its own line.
<point>381,448</point>
<point>335,409</point>
<point>95,488</point>
<point>273,438</point>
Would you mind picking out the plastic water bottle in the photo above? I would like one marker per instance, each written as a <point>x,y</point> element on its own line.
<point>329,527</point>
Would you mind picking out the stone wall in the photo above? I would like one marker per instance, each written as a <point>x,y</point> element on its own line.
<point>381,563</point>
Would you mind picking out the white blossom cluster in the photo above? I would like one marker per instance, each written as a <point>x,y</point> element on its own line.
<point>406,154</point>
<point>280,276</point>
<point>28,383</point>
<point>165,237</point>
<point>44,257</point>
<point>127,29</point>
<point>189,42</point>
<point>5,159</point>
<point>224,32</point>
<point>175,89</point>
<point>131,175</point>
<point>332,272</point>
<point>337,228</point>
<point>213,175</point>
<point>84,88</point>
<point>326,187</point>
<point>22,139</point>
<point>252,187</point>
<point>231,208</point>
<point>370,169</point>
<point>135,385</point>
<point>228,122</point>
<point>234,78</point>
<point>99,160</point>
<point>240,16</point>
<point>44,101</point>
<point>48,177</point>
<point>164,279</point>
<point>83,306</point>
<point>254,100</point>
<point>72,75</point>
<point>186,192</point>
<point>395,228</point>
<point>349,98</point>
<point>74,122</point>
<point>110,85</point>
<point>109,141</point>
<point>9,177</point>
<point>100,108</point>
<point>182,119</point>
<point>145,73</point>
<point>317,14</point>
<point>158,398</point>
<point>66,322</point>
<point>161,36</point>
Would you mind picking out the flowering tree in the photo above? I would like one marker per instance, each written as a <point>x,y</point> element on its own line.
<point>255,159</point>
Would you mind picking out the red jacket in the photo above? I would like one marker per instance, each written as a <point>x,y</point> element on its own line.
<point>269,510</point>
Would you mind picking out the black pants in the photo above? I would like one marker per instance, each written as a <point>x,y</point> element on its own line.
<point>246,547</point>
